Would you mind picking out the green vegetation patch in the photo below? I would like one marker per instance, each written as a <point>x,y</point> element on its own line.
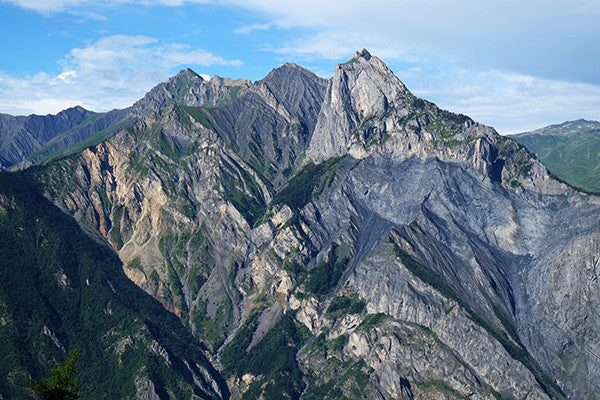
<point>248,206</point>
<point>372,320</point>
<point>50,151</point>
<point>573,157</point>
<point>343,305</point>
<point>338,343</point>
<point>242,190</point>
<point>518,161</point>
<point>454,142</point>
<point>135,264</point>
<point>234,92</point>
<point>441,386</point>
<point>325,276</point>
<point>213,330</point>
<point>115,232</point>
<point>340,380</point>
<point>307,184</point>
<point>198,116</point>
<point>273,358</point>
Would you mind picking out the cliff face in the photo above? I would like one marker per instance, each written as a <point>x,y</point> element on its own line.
<point>423,256</point>
<point>270,126</point>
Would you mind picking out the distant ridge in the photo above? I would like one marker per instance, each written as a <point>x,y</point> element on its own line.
<point>570,150</point>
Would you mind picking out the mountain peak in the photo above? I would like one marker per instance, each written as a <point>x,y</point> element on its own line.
<point>287,75</point>
<point>364,53</point>
<point>75,112</point>
<point>77,108</point>
<point>367,110</point>
<point>292,65</point>
<point>365,92</point>
<point>566,128</point>
<point>187,73</point>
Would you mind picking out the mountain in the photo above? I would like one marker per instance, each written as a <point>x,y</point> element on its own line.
<point>343,238</point>
<point>21,136</point>
<point>61,290</point>
<point>570,150</point>
<point>39,139</point>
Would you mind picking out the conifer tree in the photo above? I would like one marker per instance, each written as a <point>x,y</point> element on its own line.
<point>61,384</point>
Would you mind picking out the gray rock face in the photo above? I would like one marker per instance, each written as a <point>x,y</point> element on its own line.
<point>363,99</point>
<point>270,125</point>
<point>498,253</point>
<point>427,256</point>
<point>189,88</point>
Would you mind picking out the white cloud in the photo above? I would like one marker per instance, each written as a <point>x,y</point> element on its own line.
<point>512,64</point>
<point>338,45</point>
<point>558,39</point>
<point>66,77</point>
<point>46,6</point>
<point>253,27</point>
<point>509,102</point>
<point>114,71</point>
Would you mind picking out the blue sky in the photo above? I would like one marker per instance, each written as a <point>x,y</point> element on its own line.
<point>514,65</point>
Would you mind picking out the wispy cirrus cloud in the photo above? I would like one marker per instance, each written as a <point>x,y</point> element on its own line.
<point>112,72</point>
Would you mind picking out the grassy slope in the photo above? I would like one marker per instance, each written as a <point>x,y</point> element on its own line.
<point>571,151</point>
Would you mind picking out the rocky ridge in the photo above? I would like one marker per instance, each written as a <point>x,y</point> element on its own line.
<point>423,256</point>
<point>39,139</point>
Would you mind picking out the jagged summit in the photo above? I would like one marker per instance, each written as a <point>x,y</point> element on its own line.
<point>78,107</point>
<point>363,109</point>
<point>188,88</point>
<point>294,65</point>
<point>364,53</point>
<point>367,110</point>
<point>186,73</point>
<point>362,91</point>
<point>271,121</point>
<point>287,73</point>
